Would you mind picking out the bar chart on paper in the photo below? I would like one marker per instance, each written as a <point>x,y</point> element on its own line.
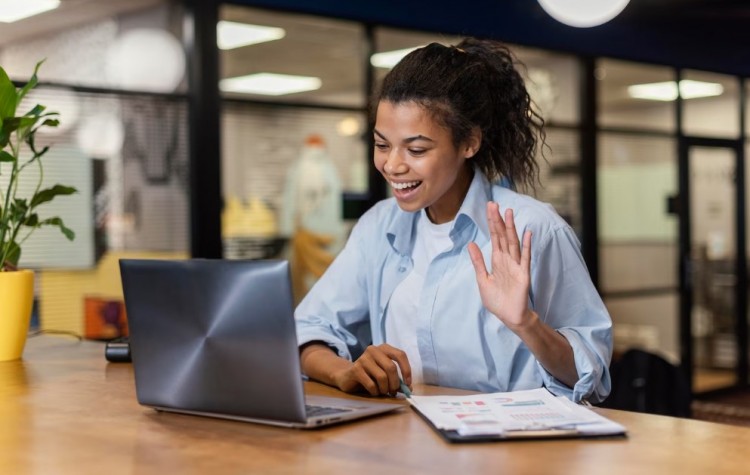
<point>507,414</point>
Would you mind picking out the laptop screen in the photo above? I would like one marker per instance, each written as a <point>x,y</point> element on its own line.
<point>215,336</point>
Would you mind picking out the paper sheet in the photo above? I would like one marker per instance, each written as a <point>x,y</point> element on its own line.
<point>499,413</point>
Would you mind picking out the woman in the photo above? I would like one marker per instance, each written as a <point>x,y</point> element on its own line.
<point>456,280</point>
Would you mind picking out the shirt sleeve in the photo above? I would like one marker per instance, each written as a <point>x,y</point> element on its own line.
<point>565,298</point>
<point>335,311</point>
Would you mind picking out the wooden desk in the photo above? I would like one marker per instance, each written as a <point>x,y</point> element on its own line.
<point>64,409</point>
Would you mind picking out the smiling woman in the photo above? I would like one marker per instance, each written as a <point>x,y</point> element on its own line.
<point>418,159</point>
<point>411,297</point>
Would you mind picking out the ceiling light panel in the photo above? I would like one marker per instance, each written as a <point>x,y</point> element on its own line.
<point>230,34</point>
<point>270,84</point>
<point>14,10</point>
<point>667,91</point>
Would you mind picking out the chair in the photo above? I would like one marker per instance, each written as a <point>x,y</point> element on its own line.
<point>646,382</point>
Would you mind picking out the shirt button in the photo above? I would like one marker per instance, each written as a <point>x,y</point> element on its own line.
<point>401,269</point>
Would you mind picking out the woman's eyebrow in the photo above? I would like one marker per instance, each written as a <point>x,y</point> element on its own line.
<point>406,140</point>
<point>417,137</point>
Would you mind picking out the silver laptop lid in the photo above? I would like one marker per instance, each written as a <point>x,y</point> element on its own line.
<point>214,336</point>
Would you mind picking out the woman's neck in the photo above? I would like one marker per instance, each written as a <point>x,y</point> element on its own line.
<point>446,208</point>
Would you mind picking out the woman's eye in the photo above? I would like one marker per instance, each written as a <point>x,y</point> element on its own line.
<point>417,151</point>
<point>381,146</point>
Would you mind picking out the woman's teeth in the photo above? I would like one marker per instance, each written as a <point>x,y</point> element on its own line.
<point>403,186</point>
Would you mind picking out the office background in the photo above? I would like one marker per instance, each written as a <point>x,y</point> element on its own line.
<point>169,163</point>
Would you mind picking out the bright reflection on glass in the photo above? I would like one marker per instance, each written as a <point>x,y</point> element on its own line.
<point>101,135</point>
<point>667,91</point>
<point>348,127</point>
<point>63,101</point>
<point>270,84</point>
<point>14,10</point>
<point>146,59</point>
<point>389,59</point>
<point>230,34</point>
<point>583,13</point>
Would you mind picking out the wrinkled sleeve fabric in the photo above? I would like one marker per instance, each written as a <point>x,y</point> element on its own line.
<point>565,299</point>
<point>335,311</point>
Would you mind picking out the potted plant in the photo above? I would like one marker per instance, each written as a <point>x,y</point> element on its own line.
<point>18,213</point>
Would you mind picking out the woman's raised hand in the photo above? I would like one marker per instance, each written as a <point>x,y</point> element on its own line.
<point>505,290</point>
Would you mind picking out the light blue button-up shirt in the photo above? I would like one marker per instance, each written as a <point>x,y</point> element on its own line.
<point>461,343</point>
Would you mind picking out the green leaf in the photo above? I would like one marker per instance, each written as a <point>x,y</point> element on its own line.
<point>32,220</point>
<point>29,85</point>
<point>48,194</point>
<point>17,212</point>
<point>11,124</point>
<point>18,209</point>
<point>6,157</point>
<point>14,254</point>
<point>56,221</point>
<point>26,127</point>
<point>8,100</point>
<point>4,136</point>
<point>36,111</point>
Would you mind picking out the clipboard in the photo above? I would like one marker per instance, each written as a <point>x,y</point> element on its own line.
<point>560,418</point>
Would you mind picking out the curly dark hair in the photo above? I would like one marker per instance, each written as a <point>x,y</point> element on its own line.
<point>474,84</point>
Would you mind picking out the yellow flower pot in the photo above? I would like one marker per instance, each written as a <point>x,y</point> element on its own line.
<point>16,299</point>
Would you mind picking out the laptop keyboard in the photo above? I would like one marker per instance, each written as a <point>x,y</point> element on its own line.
<point>315,411</point>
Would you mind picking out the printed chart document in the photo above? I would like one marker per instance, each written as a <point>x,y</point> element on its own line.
<point>535,413</point>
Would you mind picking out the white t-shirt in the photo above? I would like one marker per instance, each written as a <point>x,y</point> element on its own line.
<point>401,320</point>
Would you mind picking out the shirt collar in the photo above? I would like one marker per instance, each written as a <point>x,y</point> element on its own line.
<point>473,212</point>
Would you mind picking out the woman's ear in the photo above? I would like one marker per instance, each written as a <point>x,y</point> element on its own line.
<point>473,143</point>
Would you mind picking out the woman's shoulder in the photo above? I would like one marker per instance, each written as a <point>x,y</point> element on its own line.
<point>508,198</point>
<point>529,212</point>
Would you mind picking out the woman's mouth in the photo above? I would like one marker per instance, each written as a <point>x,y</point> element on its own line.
<point>405,190</point>
<point>405,186</point>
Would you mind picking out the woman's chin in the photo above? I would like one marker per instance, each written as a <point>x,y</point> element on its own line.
<point>408,206</point>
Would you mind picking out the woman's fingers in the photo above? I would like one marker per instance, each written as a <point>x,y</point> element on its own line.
<point>361,377</point>
<point>497,228</point>
<point>477,259</point>
<point>376,373</point>
<point>377,369</point>
<point>503,233</point>
<point>526,252</point>
<point>514,246</point>
<point>401,360</point>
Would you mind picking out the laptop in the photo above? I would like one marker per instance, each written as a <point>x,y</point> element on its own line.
<point>217,338</point>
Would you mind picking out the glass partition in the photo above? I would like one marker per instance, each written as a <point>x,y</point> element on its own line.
<point>711,105</point>
<point>637,184</point>
<point>552,80</point>
<point>559,175</point>
<point>633,95</point>
<point>126,152</point>
<point>713,252</point>
<point>293,136</point>
<point>285,57</point>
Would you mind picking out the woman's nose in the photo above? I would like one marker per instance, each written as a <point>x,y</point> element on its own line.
<point>394,165</point>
